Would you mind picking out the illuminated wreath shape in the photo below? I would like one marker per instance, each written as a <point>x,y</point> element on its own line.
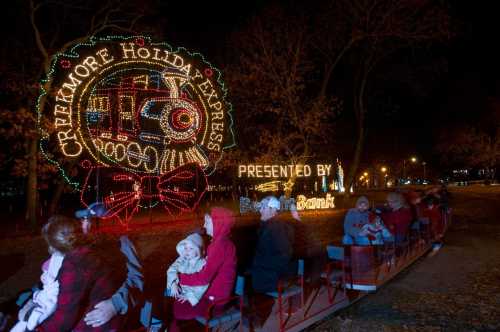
<point>131,104</point>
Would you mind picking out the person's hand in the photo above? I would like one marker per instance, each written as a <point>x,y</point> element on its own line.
<point>175,290</point>
<point>102,313</point>
<point>181,298</point>
<point>363,232</point>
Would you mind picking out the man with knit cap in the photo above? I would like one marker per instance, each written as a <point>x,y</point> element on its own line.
<point>354,221</point>
<point>219,271</point>
<point>273,253</point>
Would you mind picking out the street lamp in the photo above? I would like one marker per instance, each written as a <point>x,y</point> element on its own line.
<point>413,160</point>
<point>383,169</point>
<point>423,164</point>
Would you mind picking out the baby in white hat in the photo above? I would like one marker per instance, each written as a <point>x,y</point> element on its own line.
<point>190,261</point>
<point>44,301</point>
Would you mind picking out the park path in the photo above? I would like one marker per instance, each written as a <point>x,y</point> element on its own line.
<point>457,289</point>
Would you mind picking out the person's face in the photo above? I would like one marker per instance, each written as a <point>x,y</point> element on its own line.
<point>208,225</point>
<point>393,203</point>
<point>86,225</point>
<point>190,251</point>
<point>362,206</point>
<point>267,212</point>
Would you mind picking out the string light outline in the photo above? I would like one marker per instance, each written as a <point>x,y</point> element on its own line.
<point>72,53</point>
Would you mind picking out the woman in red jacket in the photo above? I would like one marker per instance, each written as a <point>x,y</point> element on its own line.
<point>219,271</point>
<point>83,280</point>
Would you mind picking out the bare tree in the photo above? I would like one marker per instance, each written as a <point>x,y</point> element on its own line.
<point>284,113</point>
<point>470,147</point>
<point>365,33</point>
<point>71,23</point>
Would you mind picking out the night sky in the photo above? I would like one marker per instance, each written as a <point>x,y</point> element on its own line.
<point>457,95</point>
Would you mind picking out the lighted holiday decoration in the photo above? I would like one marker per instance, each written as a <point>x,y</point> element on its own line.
<point>283,171</point>
<point>130,104</point>
<point>178,190</point>
<point>268,186</point>
<point>314,203</point>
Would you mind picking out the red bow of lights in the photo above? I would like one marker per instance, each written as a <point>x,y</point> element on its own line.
<point>179,190</point>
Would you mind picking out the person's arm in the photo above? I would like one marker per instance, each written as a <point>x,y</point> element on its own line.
<point>124,297</point>
<point>127,295</point>
<point>215,258</point>
<point>349,221</point>
<point>72,289</point>
<point>173,272</point>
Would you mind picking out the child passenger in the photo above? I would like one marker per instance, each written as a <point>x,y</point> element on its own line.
<point>375,231</point>
<point>190,261</point>
<point>44,301</point>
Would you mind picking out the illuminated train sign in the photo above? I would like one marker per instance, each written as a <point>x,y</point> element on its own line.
<point>137,106</point>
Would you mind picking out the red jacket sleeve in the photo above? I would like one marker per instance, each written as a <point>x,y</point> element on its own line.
<point>215,258</point>
<point>71,291</point>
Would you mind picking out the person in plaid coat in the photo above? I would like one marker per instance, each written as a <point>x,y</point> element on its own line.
<point>83,280</point>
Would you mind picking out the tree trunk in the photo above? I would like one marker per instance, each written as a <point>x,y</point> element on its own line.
<point>56,197</point>
<point>357,156</point>
<point>359,109</point>
<point>59,190</point>
<point>31,185</point>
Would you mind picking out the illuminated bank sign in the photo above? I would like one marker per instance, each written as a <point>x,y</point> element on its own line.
<point>315,203</point>
<point>301,203</point>
<point>136,105</point>
<point>284,171</point>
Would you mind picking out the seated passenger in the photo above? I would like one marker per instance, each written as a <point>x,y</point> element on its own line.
<point>375,231</point>
<point>84,280</point>
<point>398,217</point>
<point>190,260</point>
<point>273,253</point>
<point>414,200</point>
<point>354,221</point>
<point>44,301</point>
<point>219,272</point>
<point>432,213</point>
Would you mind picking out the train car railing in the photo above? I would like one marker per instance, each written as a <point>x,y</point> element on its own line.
<point>233,314</point>
<point>286,291</point>
<point>334,275</point>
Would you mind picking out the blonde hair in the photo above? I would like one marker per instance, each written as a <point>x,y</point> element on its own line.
<point>398,199</point>
<point>63,234</point>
